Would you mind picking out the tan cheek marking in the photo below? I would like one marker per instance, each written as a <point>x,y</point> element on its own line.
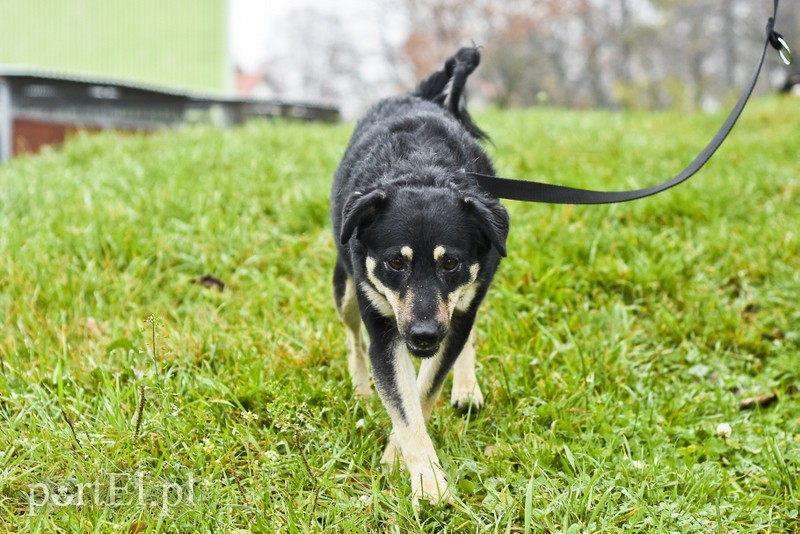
<point>378,289</point>
<point>461,298</point>
<point>445,311</point>
<point>465,299</point>
<point>404,310</point>
<point>388,302</point>
<point>371,264</point>
<point>378,301</point>
<point>438,253</point>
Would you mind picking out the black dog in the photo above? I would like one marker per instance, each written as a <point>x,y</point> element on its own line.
<point>419,243</point>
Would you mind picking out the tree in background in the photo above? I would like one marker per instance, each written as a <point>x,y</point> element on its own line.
<point>597,53</point>
<point>640,54</point>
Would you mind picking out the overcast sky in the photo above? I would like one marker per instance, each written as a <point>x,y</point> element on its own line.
<point>256,26</point>
<point>252,25</point>
<point>261,30</point>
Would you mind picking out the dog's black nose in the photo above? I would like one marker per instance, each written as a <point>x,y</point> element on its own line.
<point>424,335</point>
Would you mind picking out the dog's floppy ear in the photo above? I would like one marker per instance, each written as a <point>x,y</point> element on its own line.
<point>360,209</point>
<point>492,219</point>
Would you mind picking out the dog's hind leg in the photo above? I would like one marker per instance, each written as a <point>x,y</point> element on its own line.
<point>466,393</point>
<point>344,295</point>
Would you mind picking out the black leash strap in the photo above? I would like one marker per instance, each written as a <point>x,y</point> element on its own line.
<point>557,194</point>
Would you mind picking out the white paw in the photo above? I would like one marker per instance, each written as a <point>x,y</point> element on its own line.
<point>466,396</point>
<point>429,482</point>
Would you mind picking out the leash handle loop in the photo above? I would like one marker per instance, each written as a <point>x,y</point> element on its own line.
<point>530,191</point>
<point>779,43</point>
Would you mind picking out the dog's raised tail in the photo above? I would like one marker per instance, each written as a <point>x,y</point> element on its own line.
<point>446,87</point>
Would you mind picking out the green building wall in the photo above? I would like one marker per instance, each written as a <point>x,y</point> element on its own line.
<point>178,44</point>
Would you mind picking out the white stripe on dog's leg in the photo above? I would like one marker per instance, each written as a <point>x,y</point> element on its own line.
<point>409,433</point>
<point>466,391</point>
<point>357,359</point>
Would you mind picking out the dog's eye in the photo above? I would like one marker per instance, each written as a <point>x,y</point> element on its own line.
<point>395,264</point>
<point>450,264</point>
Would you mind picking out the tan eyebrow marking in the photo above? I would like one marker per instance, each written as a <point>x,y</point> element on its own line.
<point>438,253</point>
<point>407,253</point>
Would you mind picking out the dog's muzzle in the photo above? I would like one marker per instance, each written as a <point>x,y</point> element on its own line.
<point>424,338</point>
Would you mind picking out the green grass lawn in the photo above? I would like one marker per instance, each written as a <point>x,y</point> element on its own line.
<point>617,339</point>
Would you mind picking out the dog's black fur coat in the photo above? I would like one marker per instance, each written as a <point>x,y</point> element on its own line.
<point>401,192</point>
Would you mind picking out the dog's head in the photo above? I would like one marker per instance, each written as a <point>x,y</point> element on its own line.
<point>427,254</point>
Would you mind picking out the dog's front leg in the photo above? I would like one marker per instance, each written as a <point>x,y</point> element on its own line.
<point>466,393</point>
<point>395,380</point>
<point>433,371</point>
<point>429,391</point>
